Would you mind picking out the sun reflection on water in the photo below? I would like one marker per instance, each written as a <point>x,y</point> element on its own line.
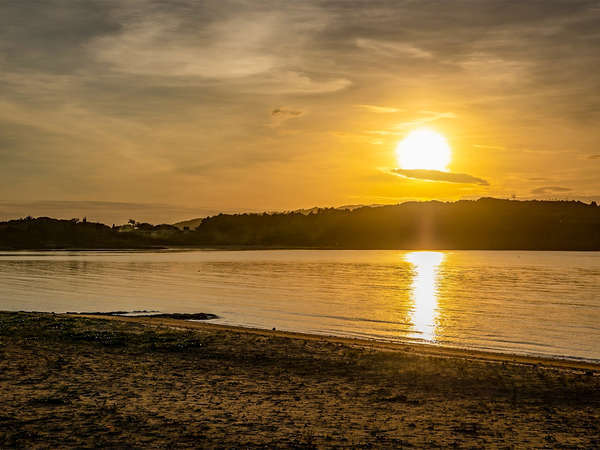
<point>424,290</point>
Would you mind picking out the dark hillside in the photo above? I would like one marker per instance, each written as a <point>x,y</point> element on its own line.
<point>483,224</point>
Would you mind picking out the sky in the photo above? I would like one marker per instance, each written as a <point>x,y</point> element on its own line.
<point>177,109</point>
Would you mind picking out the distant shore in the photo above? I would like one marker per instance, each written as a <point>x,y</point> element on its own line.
<point>483,224</point>
<point>282,248</point>
<point>79,381</point>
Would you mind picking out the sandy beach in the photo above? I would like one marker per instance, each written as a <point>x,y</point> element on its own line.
<point>74,381</point>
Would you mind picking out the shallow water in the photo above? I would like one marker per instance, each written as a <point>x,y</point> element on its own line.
<point>537,303</point>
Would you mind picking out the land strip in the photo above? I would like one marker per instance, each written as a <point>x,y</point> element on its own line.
<point>125,382</point>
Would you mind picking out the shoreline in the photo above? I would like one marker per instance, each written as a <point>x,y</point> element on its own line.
<point>420,349</point>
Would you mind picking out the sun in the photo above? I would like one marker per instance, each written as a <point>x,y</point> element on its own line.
<point>424,149</point>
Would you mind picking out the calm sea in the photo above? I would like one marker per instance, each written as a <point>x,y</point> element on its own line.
<point>539,303</point>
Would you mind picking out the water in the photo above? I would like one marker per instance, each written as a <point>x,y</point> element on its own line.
<point>536,303</point>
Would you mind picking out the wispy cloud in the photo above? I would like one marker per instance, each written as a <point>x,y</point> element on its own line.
<point>393,48</point>
<point>489,147</point>
<point>430,116</point>
<point>550,190</point>
<point>239,44</point>
<point>292,82</point>
<point>285,112</point>
<point>594,157</point>
<point>386,132</point>
<point>379,109</point>
<point>400,129</point>
<point>156,44</point>
<point>281,114</point>
<point>437,175</point>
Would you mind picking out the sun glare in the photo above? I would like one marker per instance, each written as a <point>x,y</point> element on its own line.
<point>423,149</point>
<point>425,291</point>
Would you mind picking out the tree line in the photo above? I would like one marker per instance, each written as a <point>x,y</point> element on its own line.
<point>486,223</point>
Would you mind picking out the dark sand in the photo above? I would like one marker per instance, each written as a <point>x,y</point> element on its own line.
<point>70,381</point>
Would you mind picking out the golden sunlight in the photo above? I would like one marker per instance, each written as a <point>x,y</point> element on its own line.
<point>424,291</point>
<point>423,149</point>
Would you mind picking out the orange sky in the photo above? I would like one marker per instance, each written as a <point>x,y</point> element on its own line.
<point>179,109</point>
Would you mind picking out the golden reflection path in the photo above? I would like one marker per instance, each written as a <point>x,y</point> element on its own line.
<point>424,291</point>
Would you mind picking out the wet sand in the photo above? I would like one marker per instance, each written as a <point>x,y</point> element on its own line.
<point>138,382</point>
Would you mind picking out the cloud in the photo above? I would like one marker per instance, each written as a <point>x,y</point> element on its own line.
<point>391,48</point>
<point>400,128</point>
<point>152,46</point>
<point>550,190</point>
<point>180,39</point>
<point>125,93</point>
<point>437,175</point>
<point>281,114</point>
<point>235,43</point>
<point>291,82</point>
<point>379,109</point>
<point>431,116</point>
<point>489,147</point>
<point>386,133</point>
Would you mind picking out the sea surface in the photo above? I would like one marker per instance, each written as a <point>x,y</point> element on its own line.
<point>535,303</point>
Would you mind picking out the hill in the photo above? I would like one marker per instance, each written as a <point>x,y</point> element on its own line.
<point>192,224</point>
<point>483,224</point>
<point>486,223</point>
